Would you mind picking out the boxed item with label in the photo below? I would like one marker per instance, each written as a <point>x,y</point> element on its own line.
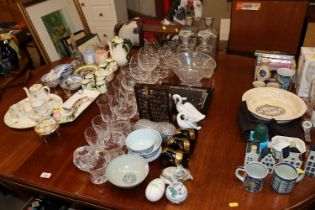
<point>306,71</point>
<point>267,63</point>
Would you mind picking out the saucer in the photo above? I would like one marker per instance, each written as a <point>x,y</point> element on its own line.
<point>157,145</point>
<point>150,158</point>
<point>156,156</point>
<point>26,121</point>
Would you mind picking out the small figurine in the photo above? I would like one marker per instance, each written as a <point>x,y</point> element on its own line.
<point>292,155</point>
<point>174,174</point>
<point>252,152</point>
<point>183,122</point>
<point>267,158</point>
<point>193,115</point>
<point>310,163</point>
<point>260,134</point>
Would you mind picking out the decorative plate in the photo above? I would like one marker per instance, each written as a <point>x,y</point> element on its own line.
<point>268,103</point>
<point>86,69</point>
<point>75,105</point>
<point>28,120</point>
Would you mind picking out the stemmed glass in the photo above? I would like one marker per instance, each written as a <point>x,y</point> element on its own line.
<point>93,160</point>
<point>142,75</point>
<point>101,125</point>
<point>148,58</point>
<point>98,166</point>
<point>164,53</point>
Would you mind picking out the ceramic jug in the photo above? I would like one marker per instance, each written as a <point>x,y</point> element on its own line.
<point>38,92</point>
<point>119,50</point>
<point>8,57</point>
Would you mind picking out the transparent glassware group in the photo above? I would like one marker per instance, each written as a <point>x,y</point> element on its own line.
<point>192,66</point>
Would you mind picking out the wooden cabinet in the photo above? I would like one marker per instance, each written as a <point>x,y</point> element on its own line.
<point>276,25</point>
<point>10,11</point>
<point>102,15</point>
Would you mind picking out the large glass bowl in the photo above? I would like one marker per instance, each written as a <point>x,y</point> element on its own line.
<point>192,66</point>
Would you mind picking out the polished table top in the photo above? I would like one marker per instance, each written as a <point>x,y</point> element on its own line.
<point>219,151</point>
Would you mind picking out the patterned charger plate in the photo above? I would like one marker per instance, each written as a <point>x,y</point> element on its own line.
<point>268,103</point>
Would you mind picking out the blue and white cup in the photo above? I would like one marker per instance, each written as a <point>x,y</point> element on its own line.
<point>254,174</point>
<point>284,77</point>
<point>284,177</point>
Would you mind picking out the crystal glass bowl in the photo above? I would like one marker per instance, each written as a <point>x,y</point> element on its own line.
<point>192,66</point>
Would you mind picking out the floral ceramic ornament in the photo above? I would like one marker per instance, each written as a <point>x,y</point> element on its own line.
<point>176,192</point>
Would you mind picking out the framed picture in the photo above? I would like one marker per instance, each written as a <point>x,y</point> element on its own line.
<point>90,40</point>
<point>76,36</point>
<point>50,21</point>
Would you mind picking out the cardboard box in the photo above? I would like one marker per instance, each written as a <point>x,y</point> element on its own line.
<point>306,71</point>
<point>276,60</point>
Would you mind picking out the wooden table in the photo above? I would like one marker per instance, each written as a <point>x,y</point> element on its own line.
<point>220,149</point>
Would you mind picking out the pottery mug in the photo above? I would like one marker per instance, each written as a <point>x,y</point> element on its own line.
<point>284,177</point>
<point>253,177</point>
<point>284,76</point>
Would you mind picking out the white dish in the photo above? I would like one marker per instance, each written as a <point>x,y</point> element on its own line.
<point>81,99</point>
<point>156,156</point>
<point>268,103</point>
<point>143,140</point>
<point>29,118</point>
<point>149,158</point>
<point>156,147</point>
<point>280,142</point>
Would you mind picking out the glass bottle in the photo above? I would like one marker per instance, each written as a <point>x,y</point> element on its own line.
<point>76,55</point>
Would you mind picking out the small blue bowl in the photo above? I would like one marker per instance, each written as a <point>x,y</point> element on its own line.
<point>66,68</point>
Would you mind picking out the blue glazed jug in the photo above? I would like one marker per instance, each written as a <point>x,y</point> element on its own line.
<point>8,57</point>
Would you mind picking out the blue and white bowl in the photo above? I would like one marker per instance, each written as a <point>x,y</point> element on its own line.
<point>71,82</point>
<point>66,68</point>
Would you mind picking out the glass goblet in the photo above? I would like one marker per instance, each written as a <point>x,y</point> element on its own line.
<point>98,167</point>
<point>102,128</point>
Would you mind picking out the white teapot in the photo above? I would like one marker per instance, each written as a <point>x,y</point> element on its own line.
<point>119,50</point>
<point>38,92</point>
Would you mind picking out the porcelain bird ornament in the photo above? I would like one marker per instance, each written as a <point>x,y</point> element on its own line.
<point>184,123</point>
<point>193,115</point>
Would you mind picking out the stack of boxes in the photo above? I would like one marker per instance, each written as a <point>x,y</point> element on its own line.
<point>306,71</point>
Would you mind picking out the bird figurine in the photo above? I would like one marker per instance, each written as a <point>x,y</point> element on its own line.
<point>193,115</point>
<point>184,123</point>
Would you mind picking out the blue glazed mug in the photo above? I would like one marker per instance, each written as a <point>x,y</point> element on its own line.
<point>284,77</point>
<point>254,174</point>
<point>284,177</point>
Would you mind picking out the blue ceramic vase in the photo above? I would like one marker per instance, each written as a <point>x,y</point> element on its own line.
<point>8,57</point>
